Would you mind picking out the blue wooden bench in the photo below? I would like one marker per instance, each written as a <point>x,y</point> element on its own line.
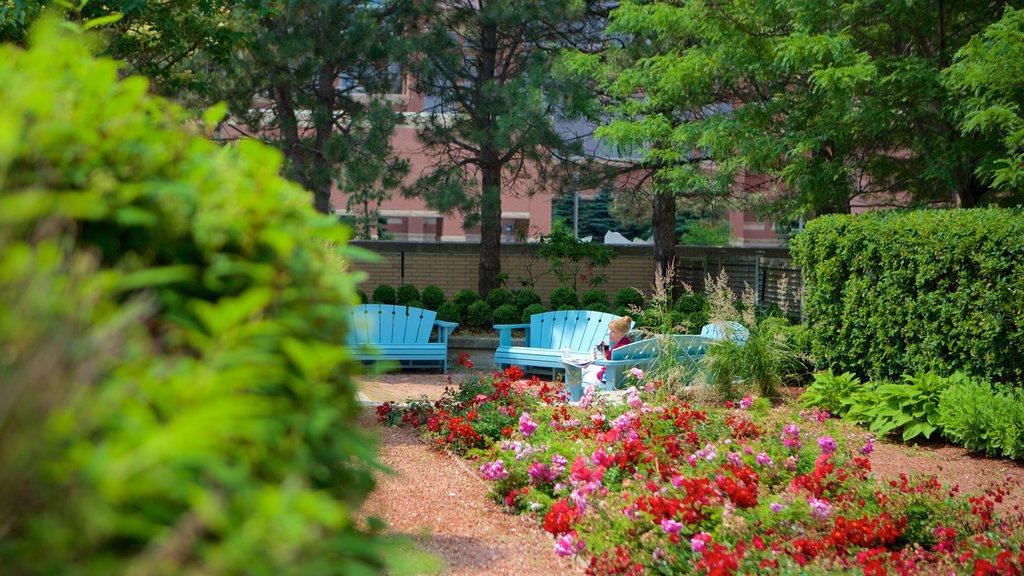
<point>414,337</point>
<point>547,334</point>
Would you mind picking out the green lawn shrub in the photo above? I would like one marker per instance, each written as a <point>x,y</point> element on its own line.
<point>526,297</point>
<point>479,314</point>
<point>450,312</point>
<point>464,298</point>
<point>981,416</point>
<point>506,314</point>
<point>432,297</point>
<point>385,294</point>
<point>627,298</point>
<point>407,294</point>
<point>890,293</point>
<point>177,395</point>
<point>531,310</point>
<point>564,298</point>
<point>596,300</point>
<point>499,297</point>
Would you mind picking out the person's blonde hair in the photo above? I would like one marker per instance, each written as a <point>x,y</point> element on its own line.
<point>621,324</point>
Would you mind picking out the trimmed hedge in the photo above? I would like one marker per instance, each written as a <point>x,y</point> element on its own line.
<point>892,293</point>
<point>174,319</point>
<point>433,297</point>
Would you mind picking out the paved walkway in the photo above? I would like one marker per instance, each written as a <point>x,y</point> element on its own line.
<point>411,384</point>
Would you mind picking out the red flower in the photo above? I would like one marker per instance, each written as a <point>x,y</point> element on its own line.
<point>560,517</point>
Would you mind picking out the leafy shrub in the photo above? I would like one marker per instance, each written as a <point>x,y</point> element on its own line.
<point>526,297</point>
<point>385,294</point>
<point>627,298</point>
<point>692,302</point>
<point>979,416</point>
<point>178,339</point>
<point>464,298</point>
<point>479,314</point>
<point>498,297</point>
<point>836,394</point>
<point>407,293</point>
<point>506,314</point>
<point>415,304</point>
<point>449,312</point>
<point>912,407</point>
<point>597,298</point>
<point>888,292</point>
<point>564,298</point>
<point>531,310</point>
<point>433,297</point>
<point>363,298</point>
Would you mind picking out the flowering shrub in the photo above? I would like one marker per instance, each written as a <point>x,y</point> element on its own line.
<point>652,484</point>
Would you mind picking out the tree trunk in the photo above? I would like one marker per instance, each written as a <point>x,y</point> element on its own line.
<point>663,225</point>
<point>490,229</point>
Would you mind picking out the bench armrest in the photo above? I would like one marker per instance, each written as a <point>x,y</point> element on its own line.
<point>505,333</point>
<point>444,329</point>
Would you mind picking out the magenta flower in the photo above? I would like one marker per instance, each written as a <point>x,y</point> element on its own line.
<point>820,509</point>
<point>869,447</point>
<point>827,444</point>
<point>700,541</point>
<point>494,471</point>
<point>567,545</point>
<point>777,507</point>
<point>526,425</point>
<point>764,459</point>
<point>670,526</point>
<point>746,402</point>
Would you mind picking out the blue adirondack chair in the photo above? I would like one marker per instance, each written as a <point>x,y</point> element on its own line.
<point>547,334</point>
<point>414,337</point>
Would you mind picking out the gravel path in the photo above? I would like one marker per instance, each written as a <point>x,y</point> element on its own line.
<point>439,503</point>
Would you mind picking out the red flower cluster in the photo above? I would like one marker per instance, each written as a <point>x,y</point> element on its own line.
<point>741,488</point>
<point>560,518</point>
<point>464,360</point>
<point>617,562</point>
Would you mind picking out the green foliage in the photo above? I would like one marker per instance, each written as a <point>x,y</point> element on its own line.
<point>465,298</point>
<point>385,294</point>
<point>363,298</point>
<point>595,298</point>
<point>531,310</point>
<point>450,312</point>
<point>707,234</point>
<point>692,302</point>
<point>629,298</point>
<point>912,407</point>
<point>479,314</point>
<point>572,260</point>
<point>891,293</point>
<point>506,314</point>
<point>406,294</point>
<point>798,128</point>
<point>526,297</point>
<point>177,393</point>
<point>836,394</point>
<point>987,78</point>
<point>433,297</point>
<point>564,298</point>
<point>498,297</point>
<point>981,416</point>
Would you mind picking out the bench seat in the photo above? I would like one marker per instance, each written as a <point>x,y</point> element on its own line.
<point>412,337</point>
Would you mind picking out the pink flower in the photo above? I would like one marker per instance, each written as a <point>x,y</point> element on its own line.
<point>634,401</point>
<point>827,444</point>
<point>746,402</point>
<point>670,526</point>
<point>526,425</point>
<point>567,545</point>
<point>764,459</point>
<point>792,443</point>
<point>820,509</point>
<point>869,447</point>
<point>777,507</point>
<point>494,471</point>
<point>700,541</point>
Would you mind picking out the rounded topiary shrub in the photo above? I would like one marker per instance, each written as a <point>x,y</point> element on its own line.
<point>595,300</point>
<point>526,297</point>
<point>531,310</point>
<point>691,302</point>
<point>479,314</point>
<point>414,304</point>
<point>564,298</point>
<point>385,294</point>
<point>432,297</point>
<point>449,312</point>
<point>627,298</point>
<point>187,304</point>
<point>464,299</point>
<point>363,298</point>
<point>406,294</point>
<point>498,297</point>
<point>506,314</point>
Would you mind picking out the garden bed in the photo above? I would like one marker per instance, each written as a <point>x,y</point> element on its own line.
<point>661,486</point>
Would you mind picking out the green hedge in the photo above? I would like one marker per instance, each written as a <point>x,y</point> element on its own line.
<point>178,398</point>
<point>892,293</point>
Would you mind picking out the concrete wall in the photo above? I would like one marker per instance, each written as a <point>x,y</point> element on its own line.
<point>453,266</point>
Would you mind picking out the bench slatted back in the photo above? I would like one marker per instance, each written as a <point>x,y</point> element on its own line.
<point>676,343</point>
<point>388,324</point>
<point>577,330</point>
